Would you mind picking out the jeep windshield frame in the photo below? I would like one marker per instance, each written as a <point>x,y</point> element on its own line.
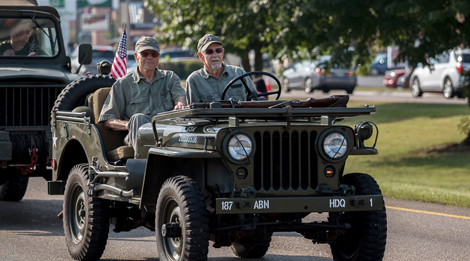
<point>39,36</point>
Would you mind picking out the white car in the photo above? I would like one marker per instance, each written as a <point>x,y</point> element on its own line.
<point>442,75</point>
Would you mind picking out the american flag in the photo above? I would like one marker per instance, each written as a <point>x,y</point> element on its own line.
<point>119,67</point>
<point>33,50</point>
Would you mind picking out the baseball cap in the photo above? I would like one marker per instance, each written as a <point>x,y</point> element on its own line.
<point>206,40</point>
<point>147,43</point>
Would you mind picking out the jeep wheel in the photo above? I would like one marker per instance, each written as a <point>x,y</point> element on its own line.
<point>86,220</point>
<point>181,221</point>
<point>252,247</point>
<point>366,238</point>
<point>76,92</point>
<point>14,188</point>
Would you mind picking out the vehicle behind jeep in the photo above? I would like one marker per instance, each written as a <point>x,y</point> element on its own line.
<point>230,172</point>
<point>34,69</point>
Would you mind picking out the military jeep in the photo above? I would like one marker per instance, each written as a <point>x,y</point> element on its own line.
<point>30,82</point>
<point>230,172</point>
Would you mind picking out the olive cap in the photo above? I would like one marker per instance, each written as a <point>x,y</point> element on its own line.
<point>147,43</point>
<point>207,40</point>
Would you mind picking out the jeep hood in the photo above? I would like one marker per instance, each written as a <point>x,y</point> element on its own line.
<point>19,74</point>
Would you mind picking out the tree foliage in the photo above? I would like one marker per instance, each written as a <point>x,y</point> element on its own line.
<point>242,25</point>
<point>344,28</point>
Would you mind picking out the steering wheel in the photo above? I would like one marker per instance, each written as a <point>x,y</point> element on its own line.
<point>253,95</point>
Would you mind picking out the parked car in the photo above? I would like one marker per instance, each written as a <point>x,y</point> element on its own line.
<point>100,53</point>
<point>320,75</point>
<point>379,64</point>
<point>442,75</point>
<point>392,76</point>
<point>301,75</point>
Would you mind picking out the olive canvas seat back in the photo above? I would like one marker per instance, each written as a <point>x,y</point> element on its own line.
<point>112,140</point>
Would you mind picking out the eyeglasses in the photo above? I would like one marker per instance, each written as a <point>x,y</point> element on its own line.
<point>211,51</point>
<point>153,54</point>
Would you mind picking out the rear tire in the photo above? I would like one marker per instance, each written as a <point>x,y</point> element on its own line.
<point>448,89</point>
<point>416,89</point>
<point>367,238</point>
<point>286,88</point>
<point>86,218</point>
<point>14,188</point>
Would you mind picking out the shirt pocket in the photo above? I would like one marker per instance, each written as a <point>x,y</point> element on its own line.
<point>209,97</point>
<point>139,105</point>
<point>167,101</point>
<point>237,92</point>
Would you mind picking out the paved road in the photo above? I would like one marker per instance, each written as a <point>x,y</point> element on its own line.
<point>30,230</point>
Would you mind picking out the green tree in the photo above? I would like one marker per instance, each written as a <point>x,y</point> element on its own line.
<point>243,25</point>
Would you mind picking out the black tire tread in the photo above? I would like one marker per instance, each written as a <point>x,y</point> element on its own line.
<point>195,218</point>
<point>75,93</point>
<point>95,239</point>
<point>373,224</point>
<point>14,188</point>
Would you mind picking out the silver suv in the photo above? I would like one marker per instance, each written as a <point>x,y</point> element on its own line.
<point>442,75</point>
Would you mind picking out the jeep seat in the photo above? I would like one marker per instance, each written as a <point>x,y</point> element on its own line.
<point>112,140</point>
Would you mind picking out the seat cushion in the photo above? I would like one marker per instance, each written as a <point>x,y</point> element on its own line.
<point>99,97</point>
<point>122,152</point>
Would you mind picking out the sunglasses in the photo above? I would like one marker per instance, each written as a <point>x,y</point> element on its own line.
<point>153,54</point>
<point>211,51</point>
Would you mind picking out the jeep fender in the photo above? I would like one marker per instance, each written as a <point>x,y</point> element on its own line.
<point>163,163</point>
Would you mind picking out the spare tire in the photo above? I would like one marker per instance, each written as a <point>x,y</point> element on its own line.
<point>76,92</point>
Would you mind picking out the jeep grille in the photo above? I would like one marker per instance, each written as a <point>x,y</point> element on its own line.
<point>285,161</point>
<point>24,106</point>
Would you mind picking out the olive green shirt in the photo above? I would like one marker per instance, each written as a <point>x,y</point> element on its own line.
<point>131,94</point>
<point>203,87</point>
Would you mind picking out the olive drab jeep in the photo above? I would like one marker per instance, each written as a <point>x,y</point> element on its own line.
<point>229,172</point>
<point>31,79</point>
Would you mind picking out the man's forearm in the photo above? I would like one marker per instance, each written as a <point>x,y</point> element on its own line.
<point>116,124</point>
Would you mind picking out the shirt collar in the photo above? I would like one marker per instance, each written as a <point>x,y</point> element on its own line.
<point>205,74</point>
<point>137,77</point>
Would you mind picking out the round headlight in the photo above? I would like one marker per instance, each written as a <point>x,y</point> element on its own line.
<point>240,147</point>
<point>335,145</point>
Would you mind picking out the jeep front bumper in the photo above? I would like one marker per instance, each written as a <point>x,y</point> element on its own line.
<point>299,204</point>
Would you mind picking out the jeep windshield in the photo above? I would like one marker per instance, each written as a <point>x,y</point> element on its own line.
<point>27,37</point>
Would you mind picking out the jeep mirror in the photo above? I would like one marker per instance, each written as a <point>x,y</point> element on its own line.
<point>85,54</point>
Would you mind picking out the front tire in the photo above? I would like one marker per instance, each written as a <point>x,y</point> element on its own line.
<point>308,85</point>
<point>181,221</point>
<point>367,238</point>
<point>86,219</point>
<point>416,89</point>
<point>14,188</point>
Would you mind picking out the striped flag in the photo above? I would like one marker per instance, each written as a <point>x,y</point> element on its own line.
<point>119,67</point>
